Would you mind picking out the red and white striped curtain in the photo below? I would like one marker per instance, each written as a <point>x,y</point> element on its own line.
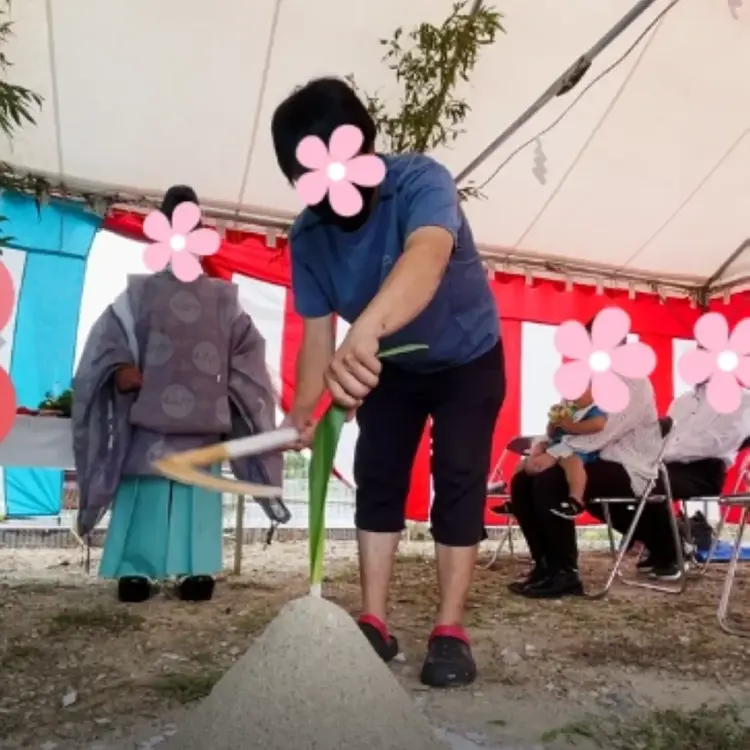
<point>529,311</point>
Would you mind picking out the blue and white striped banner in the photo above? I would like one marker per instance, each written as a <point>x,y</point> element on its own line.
<point>47,262</point>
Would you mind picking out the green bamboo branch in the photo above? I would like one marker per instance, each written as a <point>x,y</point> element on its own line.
<point>430,64</point>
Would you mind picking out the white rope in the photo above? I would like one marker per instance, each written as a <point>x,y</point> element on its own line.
<point>590,139</point>
<point>583,93</point>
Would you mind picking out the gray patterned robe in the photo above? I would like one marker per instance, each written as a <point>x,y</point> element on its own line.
<point>204,380</point>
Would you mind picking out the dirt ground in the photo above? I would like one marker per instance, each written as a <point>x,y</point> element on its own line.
<point>79,671</point>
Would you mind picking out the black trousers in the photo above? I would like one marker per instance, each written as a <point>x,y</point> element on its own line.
<point>552,539</point>
<point>464,403</point>
<point>704,478</point>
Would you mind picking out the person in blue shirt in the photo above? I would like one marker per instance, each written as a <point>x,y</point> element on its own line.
<point>404,270</point>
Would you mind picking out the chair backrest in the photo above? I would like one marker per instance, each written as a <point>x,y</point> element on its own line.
<point>520,445</point>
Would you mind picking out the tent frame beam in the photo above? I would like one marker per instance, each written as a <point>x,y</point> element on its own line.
<point>712,286</point>
<point>262,219</point>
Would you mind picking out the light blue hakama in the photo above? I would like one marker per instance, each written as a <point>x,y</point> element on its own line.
<point>159,529</point>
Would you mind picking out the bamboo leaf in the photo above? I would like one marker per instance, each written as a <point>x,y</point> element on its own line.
<point>398,350</point>
<point>432,65</point>
<point>324,447</point>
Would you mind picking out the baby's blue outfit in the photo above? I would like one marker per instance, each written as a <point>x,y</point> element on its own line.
<point>587,413</point>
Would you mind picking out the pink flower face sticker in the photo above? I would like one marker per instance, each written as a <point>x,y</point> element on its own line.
<point>7,391</point>
<point>334,171</point>
<point>7,404</point>
<point>7,296</point>
<point>722,361</point>
<point>601,360</point>
<point>178,243</point>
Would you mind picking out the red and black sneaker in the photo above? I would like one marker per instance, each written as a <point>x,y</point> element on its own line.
<point>449,662</point>
<point>376,632</point>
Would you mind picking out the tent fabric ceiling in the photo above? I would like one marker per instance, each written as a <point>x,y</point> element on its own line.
<point>649,171</point>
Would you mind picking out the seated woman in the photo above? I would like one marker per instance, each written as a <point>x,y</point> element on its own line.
<point>627,448</point>
<point>702,445</point>
<point>167,367</point>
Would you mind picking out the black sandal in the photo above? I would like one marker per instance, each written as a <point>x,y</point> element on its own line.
<point>134,589</point>
<point>449,662</point>
<point>196,588</point>
<point>570,510</point>
<point>385,646</point>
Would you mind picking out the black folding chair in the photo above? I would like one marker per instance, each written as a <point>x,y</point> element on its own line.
<point>638,505</point>
<point>498,494</point>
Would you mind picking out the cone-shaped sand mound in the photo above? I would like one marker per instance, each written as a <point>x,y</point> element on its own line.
<point>310,681</point>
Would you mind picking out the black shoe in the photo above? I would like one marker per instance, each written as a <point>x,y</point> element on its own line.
<point>669,572</point>
<point>449,663</point>
<point>646,565</point>
<point>570,509</point>
<point>538,573</point>
<point>506,509</point>
<point>386,648</point>
<point>196,588</point>
<point>134,589</point>
<point>555,586</point>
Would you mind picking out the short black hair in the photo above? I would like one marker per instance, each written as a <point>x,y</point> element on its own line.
<point>317,108</point>
<point>174,196</point>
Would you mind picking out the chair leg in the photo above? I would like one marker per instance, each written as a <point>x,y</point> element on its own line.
<point>681,584</point>
<point>494,556</point>
<point>504,537</point>
<point>722,614</point>
<point>511,549</point>
<point>610,532</point>
<point>507,536</point>
<point>623,549</point>
<point>616,572</point>
<point>724,512</point>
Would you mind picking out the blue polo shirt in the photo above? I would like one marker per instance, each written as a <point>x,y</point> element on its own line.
<point>339,272</point>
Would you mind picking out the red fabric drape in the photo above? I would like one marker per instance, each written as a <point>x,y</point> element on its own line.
<point>657,322</point>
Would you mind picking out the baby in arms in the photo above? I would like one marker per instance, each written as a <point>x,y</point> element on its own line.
<point>579,417</point>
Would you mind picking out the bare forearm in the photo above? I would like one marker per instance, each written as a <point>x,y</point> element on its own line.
<point>310,388</point>
<point>409,288</point>
<point>312,361</point>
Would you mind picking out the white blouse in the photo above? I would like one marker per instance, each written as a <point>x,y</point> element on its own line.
<point>701,432</point>
<point>631,437</point>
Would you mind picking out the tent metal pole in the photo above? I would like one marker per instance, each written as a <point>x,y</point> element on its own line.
<point>708,287</point>
<point>562,85</point>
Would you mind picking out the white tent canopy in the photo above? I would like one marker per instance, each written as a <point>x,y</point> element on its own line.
<point>648,172</point>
